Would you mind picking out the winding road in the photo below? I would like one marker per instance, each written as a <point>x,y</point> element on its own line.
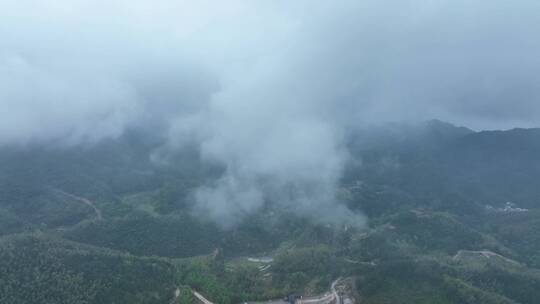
<point>84,201</point>
<point>328,298</point>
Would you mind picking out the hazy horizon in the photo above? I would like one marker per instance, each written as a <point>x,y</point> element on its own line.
<point>268,89</point>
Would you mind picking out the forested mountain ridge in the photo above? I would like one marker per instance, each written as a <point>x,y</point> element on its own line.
<point>453,218</point>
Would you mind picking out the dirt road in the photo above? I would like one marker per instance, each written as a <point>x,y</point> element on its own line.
<point>84,201</point>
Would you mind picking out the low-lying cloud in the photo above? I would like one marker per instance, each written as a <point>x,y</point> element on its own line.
<point>268,88</point>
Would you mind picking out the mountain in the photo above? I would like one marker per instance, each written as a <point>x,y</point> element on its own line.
<point>453,218</point>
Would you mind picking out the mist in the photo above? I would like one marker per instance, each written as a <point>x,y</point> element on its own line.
<point>268,89</point>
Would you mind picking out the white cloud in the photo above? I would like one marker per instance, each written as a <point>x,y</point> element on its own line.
<point>265,87</point>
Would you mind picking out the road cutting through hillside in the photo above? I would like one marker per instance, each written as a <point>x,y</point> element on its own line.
<point>327,298</point>
<point>201,298</point>
<point>84,201</point>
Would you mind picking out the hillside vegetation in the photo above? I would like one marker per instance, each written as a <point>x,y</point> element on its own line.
<point>453,218</point>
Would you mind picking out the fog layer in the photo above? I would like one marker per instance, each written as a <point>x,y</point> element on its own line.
<point>265,88</point>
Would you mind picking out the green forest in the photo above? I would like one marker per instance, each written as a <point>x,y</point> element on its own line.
<point>453,217</point>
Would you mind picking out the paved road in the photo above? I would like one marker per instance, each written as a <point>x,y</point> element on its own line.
<point>334,291</point>
<point>201,298</point>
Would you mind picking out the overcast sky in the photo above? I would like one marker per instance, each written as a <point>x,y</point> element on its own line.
<point>81,70</point>
<point>227,74</point>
